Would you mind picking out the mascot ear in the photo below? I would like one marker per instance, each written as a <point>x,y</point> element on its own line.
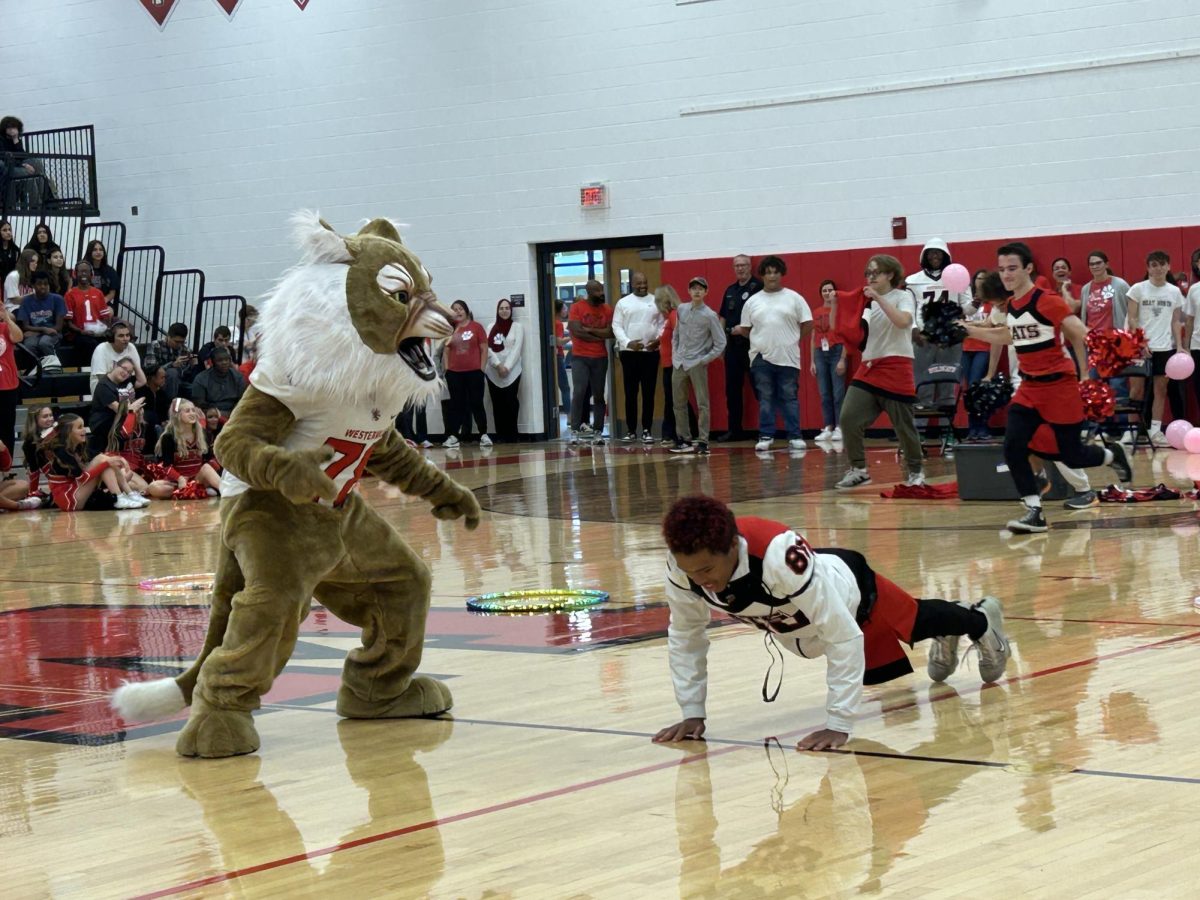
<point>383,228</point>
<point>320,243</point>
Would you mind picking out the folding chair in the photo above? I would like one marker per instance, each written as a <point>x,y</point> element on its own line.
<point>1132,410</point>
<point>947,409</point>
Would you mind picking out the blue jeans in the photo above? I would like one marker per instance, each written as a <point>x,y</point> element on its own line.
<point>831,385</point>
<point>776,389</point>
<point>973,368</point>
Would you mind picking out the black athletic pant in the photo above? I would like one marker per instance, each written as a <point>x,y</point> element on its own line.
<point>737,368</point>
<point>506,406</point>
<point>1023,421</point>
<point>640,370</point>
<point>937,618</point>
<point>466,401</point>
<point>8,418</point>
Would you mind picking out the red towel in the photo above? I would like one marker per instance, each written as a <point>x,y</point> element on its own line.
<point>1115,494</point>
<point>921,492</point>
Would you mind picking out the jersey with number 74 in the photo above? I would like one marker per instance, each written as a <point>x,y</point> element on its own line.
<point>350,431</point>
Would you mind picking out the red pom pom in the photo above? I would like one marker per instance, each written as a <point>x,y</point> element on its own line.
<point>1111,351</point>
<point>193,490</point>
<point>157,472</point>
<point>1099,401</point>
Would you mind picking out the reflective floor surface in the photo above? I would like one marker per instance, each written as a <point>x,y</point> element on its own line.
<point>1076,776</point>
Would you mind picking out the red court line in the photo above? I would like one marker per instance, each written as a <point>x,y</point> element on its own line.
<point>433,823</point>
<point>620,776</point>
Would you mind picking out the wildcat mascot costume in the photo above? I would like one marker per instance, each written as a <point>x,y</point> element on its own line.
<point>341,354</point>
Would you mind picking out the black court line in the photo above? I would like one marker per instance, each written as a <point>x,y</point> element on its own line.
<point>735,742</point>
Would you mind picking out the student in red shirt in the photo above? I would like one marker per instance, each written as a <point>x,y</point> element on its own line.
<point>1038,321</point>
<point>976,353</point>
<point>10,382</point>
<point>563,342</point>
<point>88,313</point>
<point>590,324</point>
<point>828,362</point>
<point>465,355</point>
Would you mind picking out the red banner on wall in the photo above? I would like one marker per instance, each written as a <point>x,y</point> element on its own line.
<point>229,6</point>
<point>160,10</point>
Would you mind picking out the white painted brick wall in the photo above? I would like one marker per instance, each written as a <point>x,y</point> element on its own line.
<point>478,121</point>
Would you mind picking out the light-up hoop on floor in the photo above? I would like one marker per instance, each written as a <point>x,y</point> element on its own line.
<point>178,584</point>
<point>547,600</point>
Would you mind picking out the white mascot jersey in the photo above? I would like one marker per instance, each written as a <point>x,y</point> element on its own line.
<point>352,430</point>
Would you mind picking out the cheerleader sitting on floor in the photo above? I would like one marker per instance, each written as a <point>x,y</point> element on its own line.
<point>39,422</point>
<point>73,480</point>
<point>127,440</point>
<point>183,448</point>
<point>13,493</point>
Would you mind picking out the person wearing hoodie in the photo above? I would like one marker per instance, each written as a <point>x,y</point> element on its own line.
<point>929,359</point>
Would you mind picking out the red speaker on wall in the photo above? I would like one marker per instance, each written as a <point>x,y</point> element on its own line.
<point>899,228</point>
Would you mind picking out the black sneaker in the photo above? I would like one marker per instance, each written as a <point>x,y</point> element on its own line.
<point>1033,522</point>
<point>1082,500</point>
<point>726,437</point>
<point>682,447</point>
<point>702,448</point>
<point>1120,462</point>
<point>647,437</point>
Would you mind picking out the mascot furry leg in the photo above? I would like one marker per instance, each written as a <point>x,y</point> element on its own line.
<point>292,527</point>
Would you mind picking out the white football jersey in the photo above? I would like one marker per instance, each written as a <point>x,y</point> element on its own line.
<point>927,289</point>
<point>352,432</point>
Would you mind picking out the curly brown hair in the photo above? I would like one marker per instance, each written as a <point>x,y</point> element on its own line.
<point>699,523</point>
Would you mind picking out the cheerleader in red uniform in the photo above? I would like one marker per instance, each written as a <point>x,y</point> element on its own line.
<point>183,448</point>
<point>128,440</point>
<point>14,494</point>
<point>39,423</point>
<point>73,480</point>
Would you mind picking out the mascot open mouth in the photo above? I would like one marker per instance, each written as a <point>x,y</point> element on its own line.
<point>412,351</point>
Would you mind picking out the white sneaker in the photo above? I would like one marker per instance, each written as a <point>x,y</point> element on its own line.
<point>797,444</point>
<point>1158,439</point>
<point>30,503</point>
<point>853,478</point>
<point>1129,437</point>
<point>450,443</point>
<point>763,444</point>
<point>426,444</point>
<point>825,435</point>
<point>485,441</point>
<point>837,434</point>
<point>125,501</point>
<point>914,479</point>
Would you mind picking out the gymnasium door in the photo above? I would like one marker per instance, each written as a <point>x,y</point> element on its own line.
<point>564,269</point>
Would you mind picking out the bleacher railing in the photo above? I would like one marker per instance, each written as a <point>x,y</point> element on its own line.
<point>140,268</point>
<point>67,177</point>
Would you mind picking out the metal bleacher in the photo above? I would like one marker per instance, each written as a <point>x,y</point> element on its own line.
<point>151,296</point>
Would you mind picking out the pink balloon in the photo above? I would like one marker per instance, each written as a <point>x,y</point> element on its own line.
<point>1180,366</point>
<point>1177,431</point>
<point>1191,441</point>
<point>956,278</point>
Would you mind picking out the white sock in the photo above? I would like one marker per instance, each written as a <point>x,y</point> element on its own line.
<point>1108,457</point>
<point>1155,425</point>
<point>1033,501</point>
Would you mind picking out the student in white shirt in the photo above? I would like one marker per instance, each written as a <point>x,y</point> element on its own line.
<point>637,327</point>
<point>1156,306</point>
<point>776,320</point>
<point>118,346</point>
<point>813,602</point>
<point>503,370</point>
<point>1191,312</point>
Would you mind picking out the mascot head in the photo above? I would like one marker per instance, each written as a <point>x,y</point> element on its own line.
<point>352,318</point>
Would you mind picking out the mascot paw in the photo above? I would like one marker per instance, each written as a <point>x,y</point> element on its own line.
<point>465,507</point>
<point>299,475</point>
<point>217,733</point>
<point>423,697</point>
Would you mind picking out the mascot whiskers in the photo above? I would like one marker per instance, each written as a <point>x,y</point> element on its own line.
<point>341,354</point>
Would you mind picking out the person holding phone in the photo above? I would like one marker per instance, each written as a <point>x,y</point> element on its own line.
<point>172,354</point>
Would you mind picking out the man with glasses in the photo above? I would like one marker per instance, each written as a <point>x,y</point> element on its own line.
<point>884,380</point>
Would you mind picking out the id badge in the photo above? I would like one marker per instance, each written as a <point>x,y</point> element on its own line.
<point>825,345</point>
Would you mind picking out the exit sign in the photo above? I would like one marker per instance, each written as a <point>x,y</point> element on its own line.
<point>593,196</point>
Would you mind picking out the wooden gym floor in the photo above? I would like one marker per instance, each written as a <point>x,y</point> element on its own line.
<point>1076,776</point>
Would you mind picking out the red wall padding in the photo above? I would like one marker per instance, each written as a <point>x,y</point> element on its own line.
<point>1126,252</point>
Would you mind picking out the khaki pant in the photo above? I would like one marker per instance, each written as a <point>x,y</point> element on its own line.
<point>861,408</point>
<point>698,377</point>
